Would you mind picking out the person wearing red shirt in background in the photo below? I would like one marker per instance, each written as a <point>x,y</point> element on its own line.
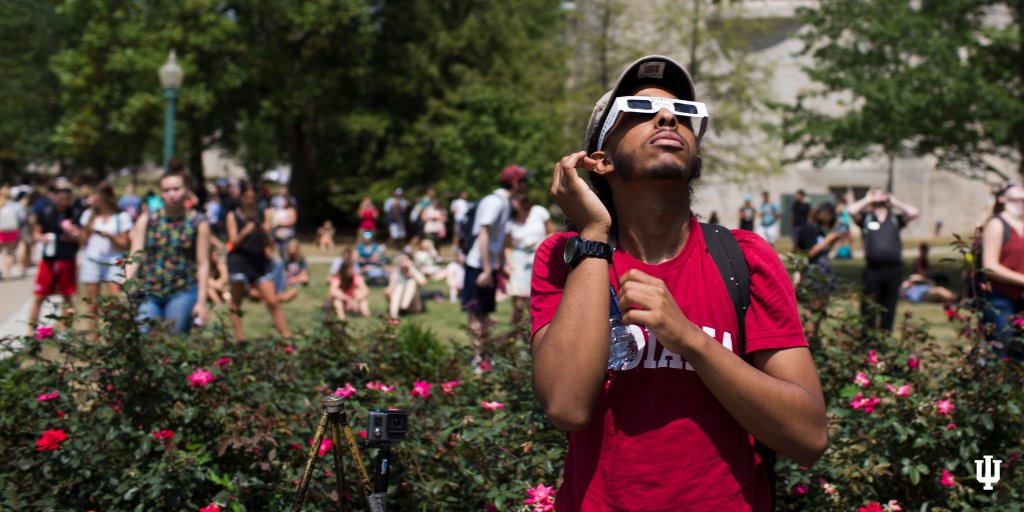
<point>674,428</point>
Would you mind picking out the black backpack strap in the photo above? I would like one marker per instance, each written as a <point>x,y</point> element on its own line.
<point>729,259</point>
<point>732,264</point>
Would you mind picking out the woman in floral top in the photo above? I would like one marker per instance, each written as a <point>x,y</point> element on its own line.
<point>175,245</point>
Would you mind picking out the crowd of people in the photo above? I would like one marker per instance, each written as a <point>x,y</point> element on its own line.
<point>238,244</point>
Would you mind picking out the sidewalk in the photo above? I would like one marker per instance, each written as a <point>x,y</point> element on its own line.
<point>15,301</point>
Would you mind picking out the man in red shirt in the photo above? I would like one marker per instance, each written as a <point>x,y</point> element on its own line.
<point>673,428</point>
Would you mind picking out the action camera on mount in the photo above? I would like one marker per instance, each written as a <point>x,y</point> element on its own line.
<point>387,426</point>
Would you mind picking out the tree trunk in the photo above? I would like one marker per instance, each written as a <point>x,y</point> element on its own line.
<point>892,172</point>
<point>195,164</point>
<point>302,183</point>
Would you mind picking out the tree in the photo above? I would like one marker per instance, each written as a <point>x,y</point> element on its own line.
<point>29,107</point>
<point>939,78</point>
<point>110,97</point>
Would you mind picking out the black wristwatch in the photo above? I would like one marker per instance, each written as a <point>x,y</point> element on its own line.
<point>577,248</point>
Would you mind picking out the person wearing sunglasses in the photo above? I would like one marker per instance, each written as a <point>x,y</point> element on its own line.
<point>1002,252</point>
<point>672,427</point>
<point>881,217</point>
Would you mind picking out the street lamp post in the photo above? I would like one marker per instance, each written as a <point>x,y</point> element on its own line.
<point>171,77</point>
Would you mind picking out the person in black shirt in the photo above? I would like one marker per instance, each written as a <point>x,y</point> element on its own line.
<point>816,239</point>
<point>800,210</point>
<point>881,217</point>
<point>57,228</point>
<point>747,213</point>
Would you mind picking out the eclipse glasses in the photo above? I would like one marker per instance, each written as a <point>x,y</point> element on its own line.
<point>652,105</point>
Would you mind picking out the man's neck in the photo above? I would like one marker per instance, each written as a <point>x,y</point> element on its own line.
<point>653,219</point>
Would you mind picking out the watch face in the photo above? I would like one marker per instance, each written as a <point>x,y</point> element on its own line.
<point>570,249</point>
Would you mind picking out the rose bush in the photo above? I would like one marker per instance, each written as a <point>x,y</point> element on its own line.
<point>157,422</point>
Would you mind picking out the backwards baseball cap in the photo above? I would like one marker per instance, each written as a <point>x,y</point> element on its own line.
<point>655,70</point>
<point>512,174</point>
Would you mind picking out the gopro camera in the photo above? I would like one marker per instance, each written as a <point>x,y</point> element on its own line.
<point>387,425</point>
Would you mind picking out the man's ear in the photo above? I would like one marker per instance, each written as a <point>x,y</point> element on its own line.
<point>604,163</point>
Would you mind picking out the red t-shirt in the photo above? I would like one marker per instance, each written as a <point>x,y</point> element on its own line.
<point>658,438</point>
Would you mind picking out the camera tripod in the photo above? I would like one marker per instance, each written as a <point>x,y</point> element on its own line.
<point>377,492</point>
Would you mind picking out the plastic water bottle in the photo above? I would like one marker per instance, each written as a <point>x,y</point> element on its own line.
<point>622,347</point>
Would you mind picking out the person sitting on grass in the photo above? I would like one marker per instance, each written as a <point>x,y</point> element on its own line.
<point>325,236</point>
<point>296,271</point>
<point>426,259</point>
<point>403,290</point>
<point>348,292</point>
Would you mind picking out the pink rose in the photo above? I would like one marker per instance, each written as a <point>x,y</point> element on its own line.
<point>800,489</point>
<point>46,397</point>
<point>212,507</point>
<point>913,363</point>
<point>449,387</point>
<point>200,378</point>
<point>60,414</point>
<point>51,440</point>
<point>485,365</point>
<point>945,406</point>
<point>873,356</point>
<point>289,349</point>
<point>951,426</point>
<point>346,391</point>
<point>492,406</point>
<point>861,380</point>
<point>871,507</point>
<point>947,479</point>
<point>222,362</point>
<point>541,497</point>
<point>325,446</point>
<point>903,390</point>
<point>892,506</point>
<point>868,404</point>
<point>44,332</point>
<point>421,388</point>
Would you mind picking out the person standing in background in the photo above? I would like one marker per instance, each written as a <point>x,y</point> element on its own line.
<point>747,213</point>
<point>11,218</point>
<point>459,208</point>
<point>394,209</point>
<point>881,217</point>
<point>1003,260</point>
<point>105,235</point>
<point>57,229</point>
<point>769,214</point>
<point>800,210</point>
<point>173,245</point>
<point>529,226</point>
<point>367,216</point>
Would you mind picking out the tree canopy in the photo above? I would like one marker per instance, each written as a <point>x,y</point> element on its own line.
<point>928,77</point>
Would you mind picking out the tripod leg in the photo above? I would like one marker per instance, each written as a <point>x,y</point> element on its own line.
<point>300,495</point>
<point>339,466</point>
<point>357,458</point>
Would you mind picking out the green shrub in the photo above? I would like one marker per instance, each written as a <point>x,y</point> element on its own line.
<point>241,439</point>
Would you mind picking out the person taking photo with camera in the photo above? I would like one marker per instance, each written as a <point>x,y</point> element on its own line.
<point>672,428</point>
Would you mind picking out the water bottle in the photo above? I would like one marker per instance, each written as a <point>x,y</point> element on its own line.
<point>622,347</point>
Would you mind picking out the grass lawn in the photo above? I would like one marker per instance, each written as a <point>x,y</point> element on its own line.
<point>445,319</point>
<point>448,322</point>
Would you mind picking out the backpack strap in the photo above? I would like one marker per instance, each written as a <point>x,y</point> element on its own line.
<point>732,264</point>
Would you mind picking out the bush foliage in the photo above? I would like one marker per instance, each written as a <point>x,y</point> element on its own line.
<point>157,422</point>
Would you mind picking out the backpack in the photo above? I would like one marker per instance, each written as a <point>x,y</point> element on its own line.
<point>731,263</point>
<point>467,238</point>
